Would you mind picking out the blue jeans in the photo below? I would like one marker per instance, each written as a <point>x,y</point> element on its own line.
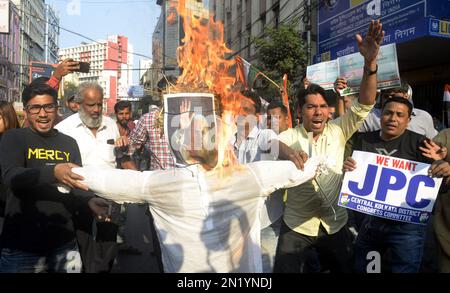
<point>405,241</point>
<point>64,259</point>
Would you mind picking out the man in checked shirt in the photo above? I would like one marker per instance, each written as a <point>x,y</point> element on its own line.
<point>149,133</point>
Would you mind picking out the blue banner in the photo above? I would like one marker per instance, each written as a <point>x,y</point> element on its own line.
<point>438,9</point>
<point>338,24</point>
<point>39,69</point>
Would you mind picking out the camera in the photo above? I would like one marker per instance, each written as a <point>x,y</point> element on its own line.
<point>121,152</point>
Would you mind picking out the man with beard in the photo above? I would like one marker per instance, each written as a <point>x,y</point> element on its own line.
<point>95,135</point>
<point>122,110</point>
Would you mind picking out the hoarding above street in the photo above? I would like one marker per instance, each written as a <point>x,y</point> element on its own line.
<point>403,20</point>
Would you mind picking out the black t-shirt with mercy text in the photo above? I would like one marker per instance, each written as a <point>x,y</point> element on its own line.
<point>38,217</point>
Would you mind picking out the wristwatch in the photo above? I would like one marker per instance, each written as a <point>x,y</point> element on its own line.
<point>369,72</point>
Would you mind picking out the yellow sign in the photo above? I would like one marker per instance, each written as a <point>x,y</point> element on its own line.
<point>444,27</point>
<point>354,3</point>
<point>326,56</point>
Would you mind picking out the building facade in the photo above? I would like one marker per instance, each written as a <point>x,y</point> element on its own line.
<point>144,65</point>
<point>51,46</point>
<point>32,36</point>
<point>247,19</point>
<point>157,54</point>
<point>111,65</point>
<point>10,58</point>
<point>148,76</point>
<point>172,33</point>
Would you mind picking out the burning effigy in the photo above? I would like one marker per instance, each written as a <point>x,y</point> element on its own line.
<point>206,70</point>
<point>207,213</point>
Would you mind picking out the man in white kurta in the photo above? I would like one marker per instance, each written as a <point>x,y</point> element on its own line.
<point>95,135</point>
<point>207,221</point>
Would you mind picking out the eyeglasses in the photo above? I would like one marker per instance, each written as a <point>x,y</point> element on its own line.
<point>36,109</point>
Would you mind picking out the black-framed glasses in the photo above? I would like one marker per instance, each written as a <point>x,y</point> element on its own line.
<point>36,109</point>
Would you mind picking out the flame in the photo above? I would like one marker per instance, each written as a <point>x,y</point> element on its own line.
<point>205,67</point>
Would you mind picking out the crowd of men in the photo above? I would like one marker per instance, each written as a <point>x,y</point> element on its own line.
<point>274,213</point>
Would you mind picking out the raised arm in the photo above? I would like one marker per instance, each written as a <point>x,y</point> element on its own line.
<point>339,85</point>
<point>369,47</point>
<point>62,69</point>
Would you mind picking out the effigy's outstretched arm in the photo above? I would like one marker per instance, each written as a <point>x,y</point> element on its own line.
<point>118,185</point>
<point>273,175</point>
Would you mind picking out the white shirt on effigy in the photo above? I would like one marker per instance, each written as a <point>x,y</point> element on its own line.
<point>95,151</point>
<point>256,147</point>
<point>206,221</point>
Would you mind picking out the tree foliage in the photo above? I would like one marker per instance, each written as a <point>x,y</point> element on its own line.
<point>281,51</point>
<point>70,89</point>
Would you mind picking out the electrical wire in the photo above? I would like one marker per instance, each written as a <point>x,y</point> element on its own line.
<point>289,19</point>
<point>79,34</point>
<point>105,2</point>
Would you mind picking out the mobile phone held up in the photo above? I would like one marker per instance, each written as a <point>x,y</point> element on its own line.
<point>84,67</point>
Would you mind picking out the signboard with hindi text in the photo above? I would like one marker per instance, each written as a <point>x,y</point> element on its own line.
<point>339,21</point>
<point>351,68</point>
<point>390,188</point>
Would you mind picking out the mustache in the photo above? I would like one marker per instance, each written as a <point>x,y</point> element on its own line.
<point>89,121</point>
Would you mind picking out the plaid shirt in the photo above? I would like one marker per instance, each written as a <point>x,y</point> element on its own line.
<point>148,134</point>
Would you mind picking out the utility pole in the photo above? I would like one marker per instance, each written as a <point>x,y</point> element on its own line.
<point>308,9</point>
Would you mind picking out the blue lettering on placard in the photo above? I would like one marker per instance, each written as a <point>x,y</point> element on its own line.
<point>385,182</point>
<point>412,191</point>
<point>368,182</point>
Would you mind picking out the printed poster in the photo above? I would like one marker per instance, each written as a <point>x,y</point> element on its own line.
<point>390,188</point>
<point>202,105</point>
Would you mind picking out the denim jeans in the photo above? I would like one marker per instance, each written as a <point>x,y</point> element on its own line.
<point>405,242</point>
<point>64,259</point>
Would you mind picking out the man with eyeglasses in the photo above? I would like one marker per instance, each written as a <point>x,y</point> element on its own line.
<point>421,121</point>
<point>38,233</point>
